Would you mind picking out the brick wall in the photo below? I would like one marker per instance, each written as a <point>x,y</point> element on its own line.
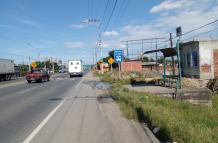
<point>128,66</point>
<point>205,68</point>
<point>215,59</point>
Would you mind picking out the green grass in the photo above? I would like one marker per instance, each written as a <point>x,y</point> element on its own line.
<point>179,121</point>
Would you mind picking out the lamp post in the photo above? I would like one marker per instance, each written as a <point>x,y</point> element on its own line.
<point>97,23</point>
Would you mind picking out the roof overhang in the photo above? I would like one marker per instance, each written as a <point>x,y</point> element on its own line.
<point>167,52</point>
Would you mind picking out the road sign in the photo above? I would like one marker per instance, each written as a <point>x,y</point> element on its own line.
<point>118,56</point>
<point>111,61</point>
<point>178,31</point>
<point>34,65</point>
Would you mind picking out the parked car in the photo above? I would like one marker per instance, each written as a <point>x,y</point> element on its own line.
<point>62,70</point>
<point>38,75</point>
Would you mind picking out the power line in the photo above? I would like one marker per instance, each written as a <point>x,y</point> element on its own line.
<point>144,39</point>
<point>201,34</point>
<point>104,13</point>
<point>88,9</point>
<point>199,27</point>
<point>121,11</point>
<point>115,4</point>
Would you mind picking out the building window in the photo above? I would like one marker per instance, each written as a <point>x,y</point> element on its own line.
<point>194,59</point>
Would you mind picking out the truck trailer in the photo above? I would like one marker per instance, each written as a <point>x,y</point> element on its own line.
<point>75,68</point>
<point>6,69</point>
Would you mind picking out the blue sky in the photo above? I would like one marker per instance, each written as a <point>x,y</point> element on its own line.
<point>54,28</point>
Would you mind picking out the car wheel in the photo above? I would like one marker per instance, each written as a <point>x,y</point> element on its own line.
<point>29,81</point>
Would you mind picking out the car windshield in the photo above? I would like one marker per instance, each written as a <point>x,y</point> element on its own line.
<point>36,71</point>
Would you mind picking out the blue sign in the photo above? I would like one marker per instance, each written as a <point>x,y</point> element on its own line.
<point>118,56</point>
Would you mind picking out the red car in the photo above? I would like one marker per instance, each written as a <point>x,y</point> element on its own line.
<point>38,75</point>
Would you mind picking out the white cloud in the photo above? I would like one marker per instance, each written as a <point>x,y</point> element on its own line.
<point>78,26</point>
<point>110,33</point>
<point>30,23</point>
<point>104,45</point>
<point>139,32</point>
<point>74,45</point>
<point>187,5</point>
<point>168,5</point>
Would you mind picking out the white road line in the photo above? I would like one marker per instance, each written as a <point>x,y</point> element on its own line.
<point>39,127</point>
<point>79,83</point>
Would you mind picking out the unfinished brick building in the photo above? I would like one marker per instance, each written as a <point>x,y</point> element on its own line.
<point>199,58</point>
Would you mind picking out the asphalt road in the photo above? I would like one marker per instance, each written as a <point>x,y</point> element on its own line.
<point>63,110</point>
<point>23,106</point>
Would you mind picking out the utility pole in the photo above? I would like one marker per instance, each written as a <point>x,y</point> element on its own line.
<point>45,63</point>
<point>127,49</point>
<point>53,67</point>
<point>156,53</point>
<point>90,21</point>
<point>171,46</point>
<point>29,64</point>
<point>142,49</point>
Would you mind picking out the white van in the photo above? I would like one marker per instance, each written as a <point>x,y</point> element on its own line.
<point>75,68</point>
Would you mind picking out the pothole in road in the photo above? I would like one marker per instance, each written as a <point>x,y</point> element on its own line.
<point>53,99</point>
<point>105,98</point>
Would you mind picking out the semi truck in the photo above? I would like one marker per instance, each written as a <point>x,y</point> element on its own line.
<point>75,68</point>
<point>6,69</point>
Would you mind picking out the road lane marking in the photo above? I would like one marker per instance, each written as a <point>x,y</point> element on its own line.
<point>12,84</point>
<point>79,83</point>
<point>42,124</point>
<point>39,127</point>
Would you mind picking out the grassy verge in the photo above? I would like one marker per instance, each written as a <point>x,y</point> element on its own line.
<point>178,121</point>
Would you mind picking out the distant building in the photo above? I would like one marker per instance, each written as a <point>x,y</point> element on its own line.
<point>199,58</point>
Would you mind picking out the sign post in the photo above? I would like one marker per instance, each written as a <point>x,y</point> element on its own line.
<point>111,61</point>
<point>118,57</point>
<point>178,34</point>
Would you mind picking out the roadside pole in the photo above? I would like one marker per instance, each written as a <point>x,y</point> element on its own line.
<point>172,58</point>
<point>111,61</point>
<point>29,64</point>
<point>119,70</point>
<point>164,71</point>
<point>178,34</point>
<point>53,67</point>
<point>118,58</point>
<point>179,64</point>
<point>111,68</point>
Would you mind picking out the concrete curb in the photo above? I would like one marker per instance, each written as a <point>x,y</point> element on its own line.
<point>149,133</point>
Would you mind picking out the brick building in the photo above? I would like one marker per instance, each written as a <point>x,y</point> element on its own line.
<point>131,65</point>
<point>199,58</point>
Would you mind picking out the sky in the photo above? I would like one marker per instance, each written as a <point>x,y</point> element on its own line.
<point>58,29</point>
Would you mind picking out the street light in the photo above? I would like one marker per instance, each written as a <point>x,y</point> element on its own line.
<point>97,22</point>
